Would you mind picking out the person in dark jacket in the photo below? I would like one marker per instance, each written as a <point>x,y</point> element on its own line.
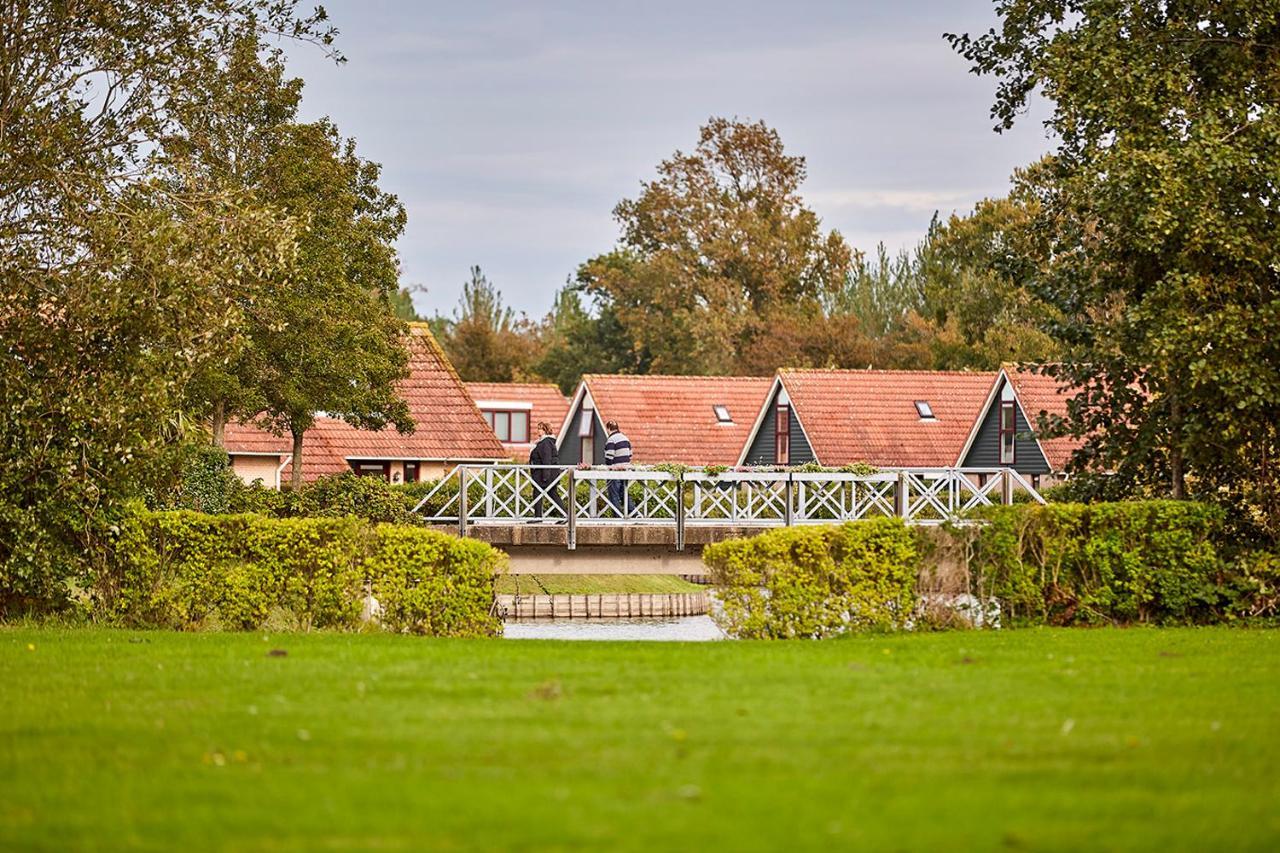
<point>545,453</point>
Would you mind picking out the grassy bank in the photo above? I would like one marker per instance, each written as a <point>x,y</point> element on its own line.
<point>1067,739</point>
<point>580,584</point>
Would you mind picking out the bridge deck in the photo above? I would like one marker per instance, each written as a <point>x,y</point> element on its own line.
<point>612,535</point>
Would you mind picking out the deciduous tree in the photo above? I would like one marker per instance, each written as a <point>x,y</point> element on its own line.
<point>1162,218</point>
<point>114,285</point>
<point>712,248</point>
<point>336,345</point>
<point>485,339</point>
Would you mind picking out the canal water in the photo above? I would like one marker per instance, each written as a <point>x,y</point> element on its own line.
<point>685,628</point>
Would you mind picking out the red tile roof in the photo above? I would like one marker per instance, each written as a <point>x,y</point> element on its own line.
<point>870,415</point>
<point>548,405</point>
<point>1038,394</point>
<point>671,419</point>
<point>448,425</point>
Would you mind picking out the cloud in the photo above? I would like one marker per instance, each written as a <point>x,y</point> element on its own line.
<point>919,201</point>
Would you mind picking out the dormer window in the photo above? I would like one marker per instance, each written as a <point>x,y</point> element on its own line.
<point>924,410</point>
<point>722,415</point>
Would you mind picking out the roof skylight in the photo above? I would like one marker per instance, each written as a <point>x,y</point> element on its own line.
<point>924,410</point>
<point>722,414</point>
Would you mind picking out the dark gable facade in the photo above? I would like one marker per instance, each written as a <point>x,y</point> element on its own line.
<point>1004,438</point>
<point>583,432</point>
<point>767,442</point>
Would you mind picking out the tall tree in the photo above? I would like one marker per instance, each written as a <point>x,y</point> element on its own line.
<point>230,127</point>
<point>402,305</point>
<point>1161,210</point>
<point>485,339</point>
<point>580,340</point>
<point>975,275</point>
<point>712,248</point>
<point>113,284</point>
<point>337,345</point>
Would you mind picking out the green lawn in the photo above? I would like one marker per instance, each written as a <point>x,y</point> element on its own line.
<point>579,584</point>
<point>1029,740</point>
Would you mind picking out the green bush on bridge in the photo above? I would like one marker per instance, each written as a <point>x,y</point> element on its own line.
<point>186,570</point>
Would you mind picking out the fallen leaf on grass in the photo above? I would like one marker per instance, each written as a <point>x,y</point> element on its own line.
<point>548,691</point>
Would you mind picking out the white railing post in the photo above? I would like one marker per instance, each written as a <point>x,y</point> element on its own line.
<point>462,501</point>
<point>571,512</point>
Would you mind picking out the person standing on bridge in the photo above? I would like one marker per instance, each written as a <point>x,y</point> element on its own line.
<point>544,479</point>
<point>617,455</point>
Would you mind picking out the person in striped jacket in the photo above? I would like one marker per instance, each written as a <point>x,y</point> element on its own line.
<point>617,455</point>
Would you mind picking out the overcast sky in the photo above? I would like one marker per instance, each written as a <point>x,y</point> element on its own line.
<point>509,130</point>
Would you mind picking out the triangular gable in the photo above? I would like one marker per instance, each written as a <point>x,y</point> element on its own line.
<point>764,410</point>
<point>802,450</point>
<point>995,394</point>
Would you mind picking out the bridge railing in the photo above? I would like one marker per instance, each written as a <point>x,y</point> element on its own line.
<point>524,494</point>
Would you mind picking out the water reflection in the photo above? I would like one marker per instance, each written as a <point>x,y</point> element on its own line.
<point>685,628</point>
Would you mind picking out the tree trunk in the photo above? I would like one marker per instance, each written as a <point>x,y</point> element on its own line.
<point>296,480</point>
<point>220,423</point>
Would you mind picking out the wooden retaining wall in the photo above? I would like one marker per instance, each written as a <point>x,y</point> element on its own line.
<point>613,605</point>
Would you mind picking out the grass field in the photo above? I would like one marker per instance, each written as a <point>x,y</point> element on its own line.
<point>579,584</point>
<point>1027,740</point>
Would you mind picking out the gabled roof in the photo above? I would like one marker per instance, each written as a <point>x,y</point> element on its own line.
<point>448,425</point>
<point>673,418</point>
<point>1041,394</point>
<point>871,416</point>
<point>548,403</point>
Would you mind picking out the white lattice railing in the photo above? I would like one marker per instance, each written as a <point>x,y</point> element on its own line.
<point>523,494</point>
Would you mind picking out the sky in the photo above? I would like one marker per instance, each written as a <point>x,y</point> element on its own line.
<point>510,130</point>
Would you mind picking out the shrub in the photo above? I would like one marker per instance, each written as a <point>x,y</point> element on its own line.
<point>1254,585</point>
<point>187,570</point>
<point>816,581</point>
<point>1122,562</point>
<point>335,495</point>
<point>432,583</point>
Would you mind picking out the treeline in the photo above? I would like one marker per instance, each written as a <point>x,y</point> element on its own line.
<point>722,269</point>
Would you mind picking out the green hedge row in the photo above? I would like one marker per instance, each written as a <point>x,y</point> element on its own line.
<point>188,570</point>
<point>816,581</point>
<point>1105,563</point>
<point>1153,562</point>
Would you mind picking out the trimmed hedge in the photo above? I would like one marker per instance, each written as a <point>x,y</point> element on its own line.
<point>816,581</point>
<point>1104,563</point>
<point>187,570</point>
<point>1131,562</point>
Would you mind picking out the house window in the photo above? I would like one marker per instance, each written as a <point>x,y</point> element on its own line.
<point>411,472</point>
<point>586,434</point>
<point>509,426</point>
<point>1008,432</point>
<point>924,410</point>
<point>722,414</point>
<point>782,436</point>
<point>367,468</point>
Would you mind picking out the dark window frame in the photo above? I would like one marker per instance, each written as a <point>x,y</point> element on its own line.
<point>359,466</point>
<point>1009,431</point>
<point>782,434</point>
<point>492,416</point>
